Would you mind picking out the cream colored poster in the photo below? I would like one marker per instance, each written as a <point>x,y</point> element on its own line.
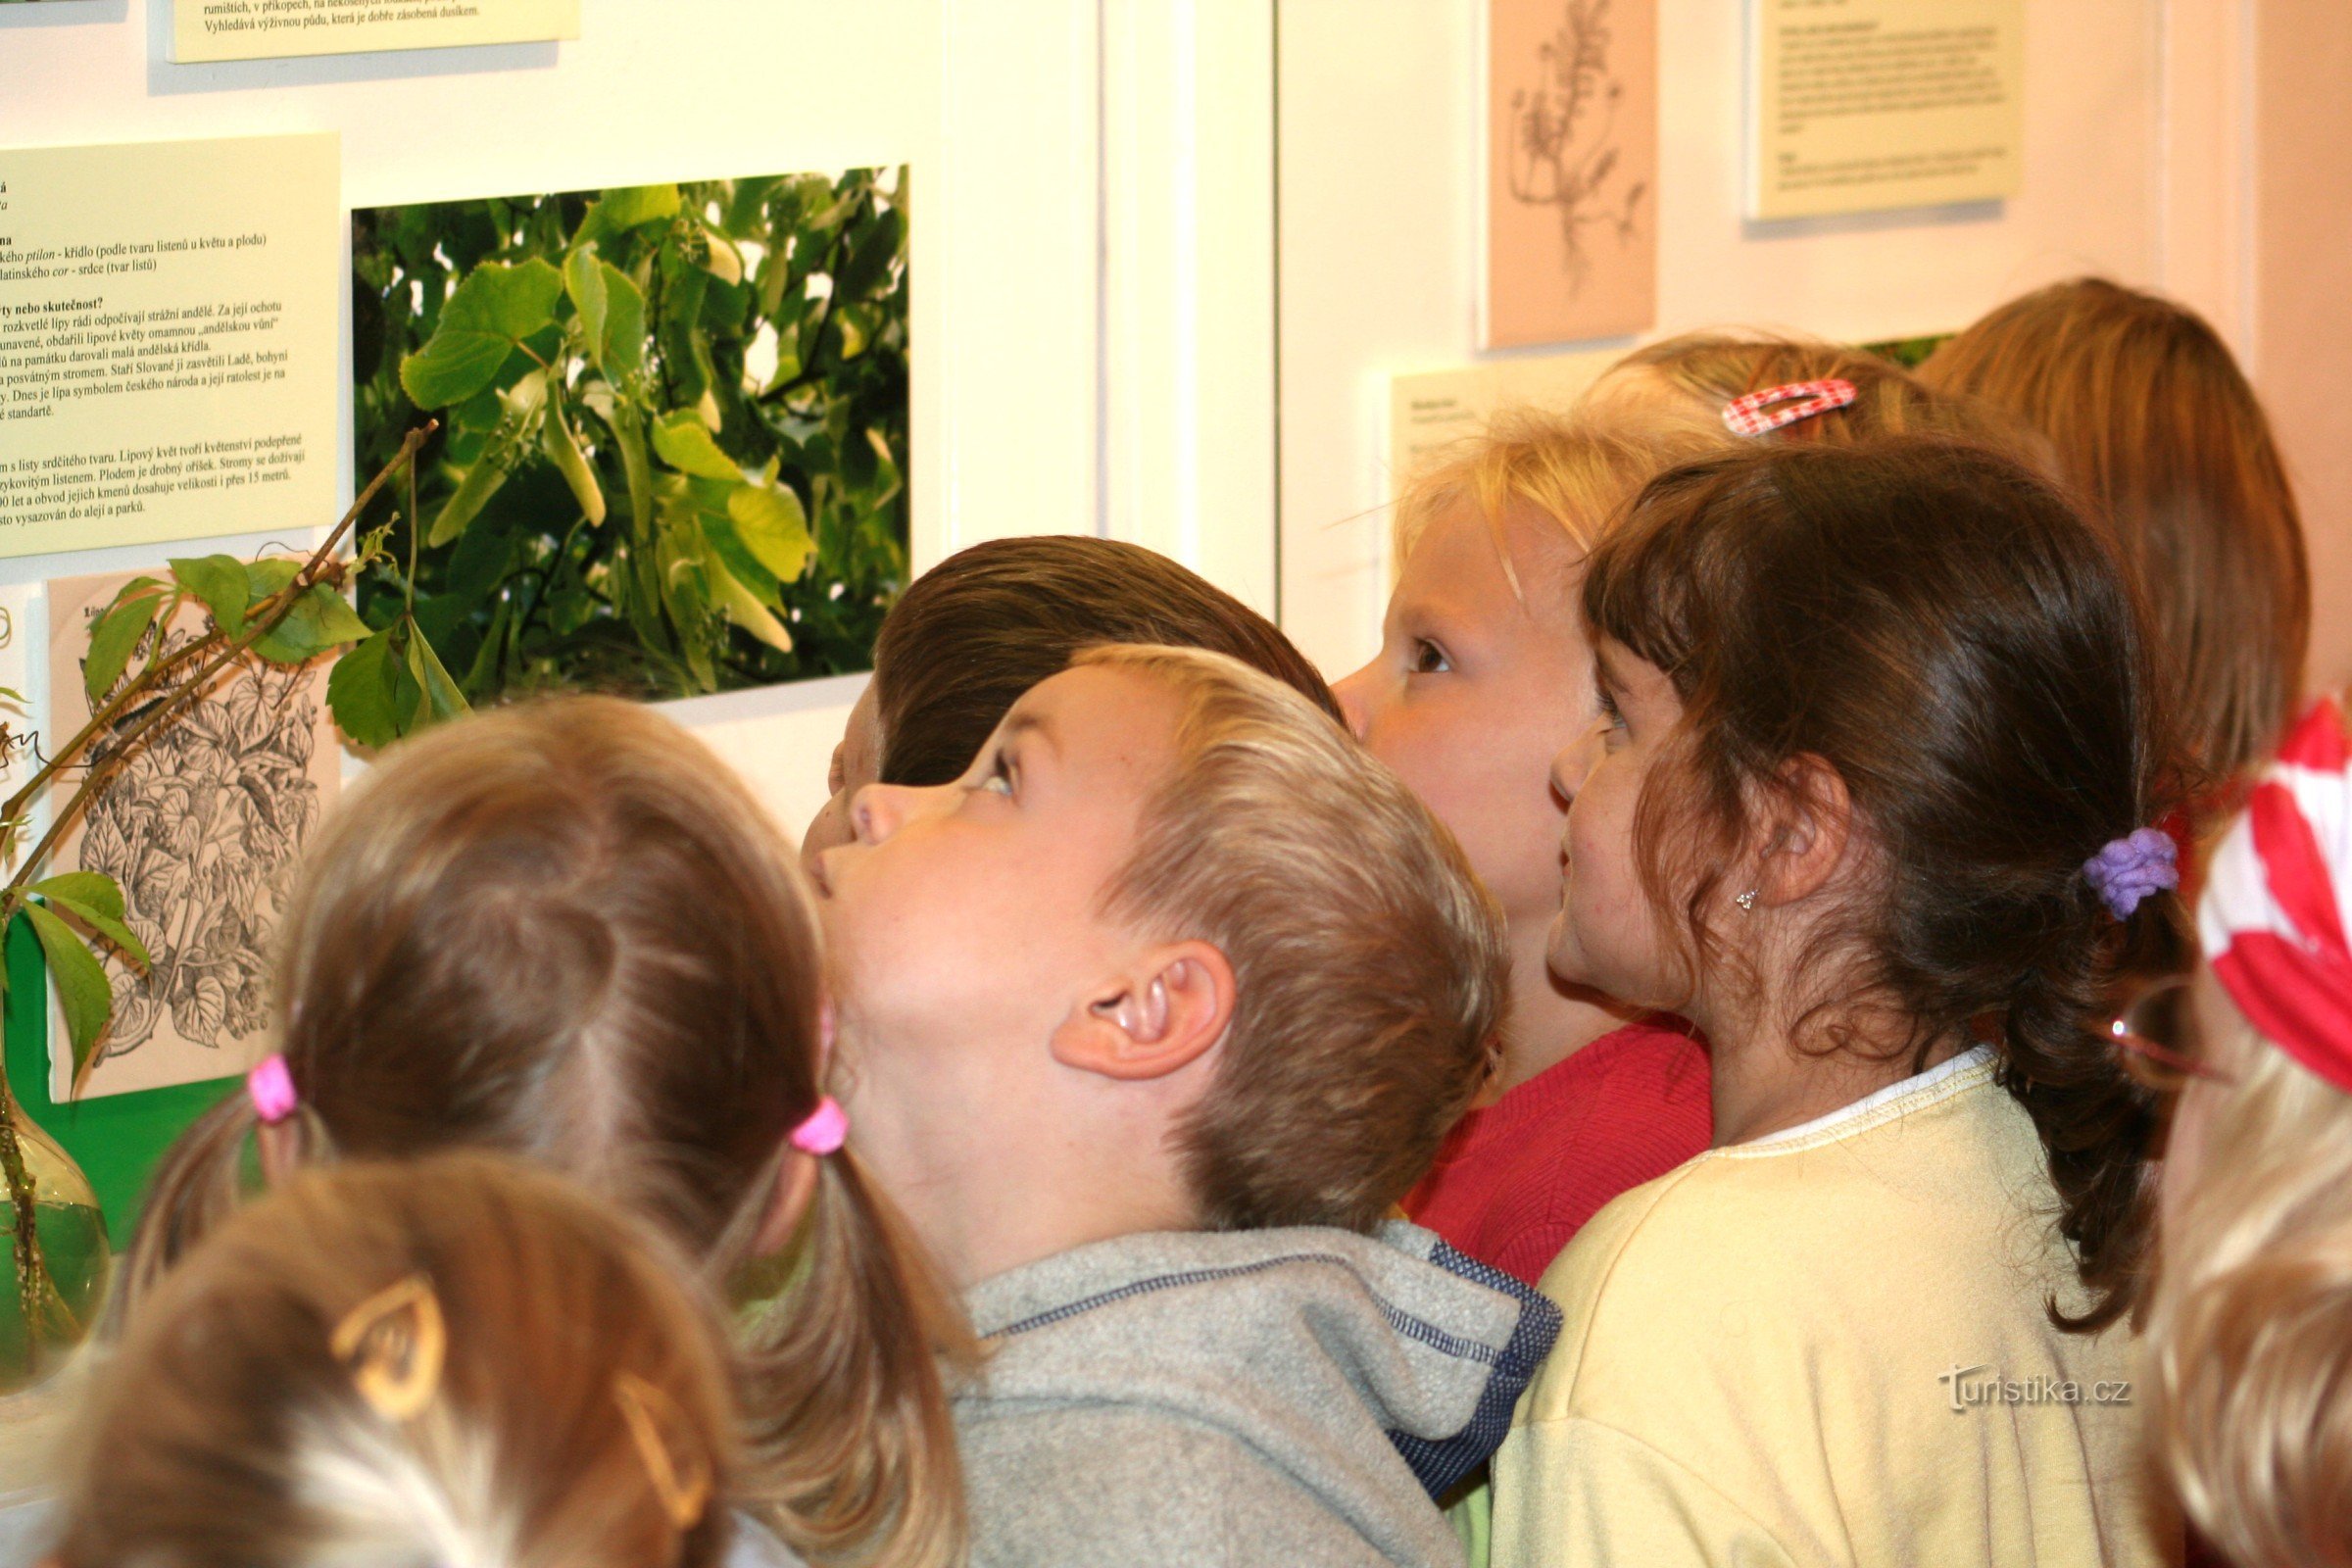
<point>204,832</point>
<point>1431,410</point>
<point>1862,104</point>
<point>168,340</point>
<point>204,31</point>
<point>1571,195</point>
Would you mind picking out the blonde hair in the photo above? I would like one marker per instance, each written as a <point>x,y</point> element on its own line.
<point>1706,370</point>
<point>566,931</point>
<point>1369,964</point>
<point>459,1360</point>
<point>2149,416</point>
<point>1577,473</point>
<point>2252,1322</point>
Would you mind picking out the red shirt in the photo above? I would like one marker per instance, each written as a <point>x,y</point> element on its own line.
<point>1514,1181</point>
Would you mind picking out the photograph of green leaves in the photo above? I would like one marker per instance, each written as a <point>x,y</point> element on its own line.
<point>673,447</point>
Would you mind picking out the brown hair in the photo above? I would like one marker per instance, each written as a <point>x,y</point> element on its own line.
<point>541,1386</point>
<point>970,635</point>
<point>2251,1325</point>
<point>1944,631</point>
<point>1709,370</point>
<point>1369,964</point>
<point>565,930</point>
<point>2151,419</point>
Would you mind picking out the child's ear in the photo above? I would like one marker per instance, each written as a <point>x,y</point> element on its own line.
<point>1163,1013</point>
<point>1808,838</point>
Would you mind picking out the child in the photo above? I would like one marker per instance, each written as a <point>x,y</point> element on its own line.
<point>456,1361</point>
<point>2252,1322</point>
<point>1868,805</point>
<point>2152,421</point>
<point>1148,1021</point>
<point>989,622</point>
<point>1481,678</point>
<point>565,931</point>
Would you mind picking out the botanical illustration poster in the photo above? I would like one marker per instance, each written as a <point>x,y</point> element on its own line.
<point>168,340</point>
<point>203,829</point>
<point>204,31</point>
<point>1571,232</point>
<point>1862,104</point>
<point>673,446</point>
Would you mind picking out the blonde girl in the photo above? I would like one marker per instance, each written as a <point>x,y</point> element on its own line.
<point>2252,1321</point>
<point>565,931</point>
<point>462,1360</point>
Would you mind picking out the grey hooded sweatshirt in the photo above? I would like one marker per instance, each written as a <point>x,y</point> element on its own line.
<point>1293,1396</point>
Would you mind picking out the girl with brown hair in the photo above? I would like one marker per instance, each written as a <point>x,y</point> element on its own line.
<point>459,1360</point>
<point>565,931</point>
<point>2150,420</point>
<point>1868,805</point>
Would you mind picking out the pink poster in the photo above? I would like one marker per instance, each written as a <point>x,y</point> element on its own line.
<point>1572,170</point>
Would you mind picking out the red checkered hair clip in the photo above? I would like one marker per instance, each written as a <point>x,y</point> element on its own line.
<point>1762,413</point>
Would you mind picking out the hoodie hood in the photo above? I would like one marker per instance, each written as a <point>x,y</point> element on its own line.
<point>1345,1360</point>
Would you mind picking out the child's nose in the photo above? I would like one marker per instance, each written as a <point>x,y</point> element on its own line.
<point>876,812</point>
<point>1574,764</point>
<point>1356,700</point>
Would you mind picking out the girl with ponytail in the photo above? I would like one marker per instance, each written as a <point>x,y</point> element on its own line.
<point>564,931</point>
<point>1870,804</point>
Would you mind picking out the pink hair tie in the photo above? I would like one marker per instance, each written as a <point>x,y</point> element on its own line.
<point>270,1088</point>
<point>825,1131</point>
<point>1755,413</point>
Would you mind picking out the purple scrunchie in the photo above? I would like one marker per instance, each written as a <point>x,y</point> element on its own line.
<point>2131,867</point>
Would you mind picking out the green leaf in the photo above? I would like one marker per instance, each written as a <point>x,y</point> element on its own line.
<point>88,890</point>
<point>633,205</point>
<point>267,576</point>
<point>443,699</point>
<point>684,443</point>
<point>220,582</point>
<point>96,900</point>
<point>465,502</point>
<point>363,694</point>
<point>317,621</point>
<point>563,449</point>
<point>612,311</point>
<point>492,312</point>
<point>869,264</point>
<point>775,527</point>
<point>112,643</point>
<point>746,612</point>
<point>82,992</point>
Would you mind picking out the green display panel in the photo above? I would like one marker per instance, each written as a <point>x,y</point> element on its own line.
<point>115,1139</point>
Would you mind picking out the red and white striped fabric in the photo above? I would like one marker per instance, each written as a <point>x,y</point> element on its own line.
<point>2273,916</point>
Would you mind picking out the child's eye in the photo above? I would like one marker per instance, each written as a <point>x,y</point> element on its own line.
<point>835,775</point>
<point>1429,658</point>
<point>1000,778</point>
<point>1611,716</point>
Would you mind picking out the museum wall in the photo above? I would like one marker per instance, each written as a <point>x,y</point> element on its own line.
<point>1380,166</point>
<point>2301,294</point>
<point>994,109</point>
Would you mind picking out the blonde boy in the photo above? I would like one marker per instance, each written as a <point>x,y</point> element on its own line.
<point>1146,1021</point>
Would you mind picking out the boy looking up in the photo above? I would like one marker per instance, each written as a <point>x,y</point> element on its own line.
<point>1146,1022</point>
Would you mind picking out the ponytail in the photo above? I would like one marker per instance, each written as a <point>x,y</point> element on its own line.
<point>850,1439</point>
<point>198,1184</point>
<point>2097,1126</point>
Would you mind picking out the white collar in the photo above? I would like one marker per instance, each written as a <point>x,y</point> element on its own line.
<point>1973,1057</point>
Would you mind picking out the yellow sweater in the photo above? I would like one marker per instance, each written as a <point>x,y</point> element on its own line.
<point>1764,1350</point>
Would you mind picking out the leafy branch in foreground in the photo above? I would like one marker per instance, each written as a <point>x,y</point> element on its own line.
<point>284,613</point>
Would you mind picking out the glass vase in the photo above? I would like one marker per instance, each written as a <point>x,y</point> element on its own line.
<point>55,1281</point>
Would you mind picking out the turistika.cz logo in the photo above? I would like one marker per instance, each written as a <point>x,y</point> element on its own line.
<point>1972,1388</point>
